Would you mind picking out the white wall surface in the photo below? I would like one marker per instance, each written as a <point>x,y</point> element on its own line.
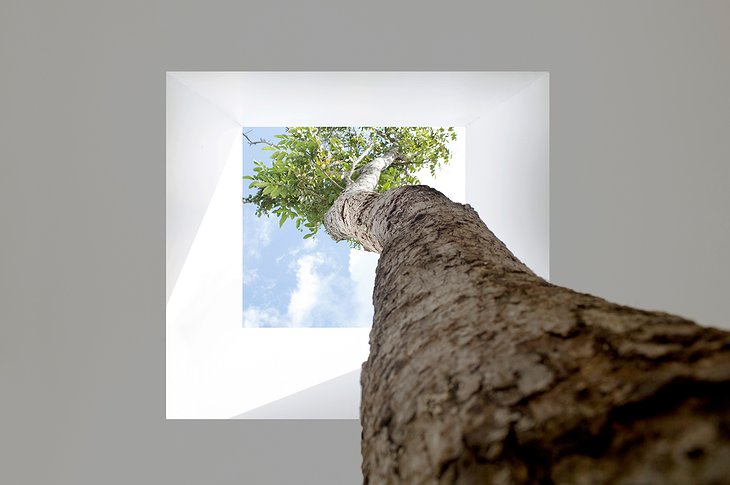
<point>507,178</point>
<point>355,98</point>
<point>215,368</point>
<point>338,398</point>
<point>199,139</point>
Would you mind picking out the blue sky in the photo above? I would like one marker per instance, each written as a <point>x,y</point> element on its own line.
<point>292,282</point>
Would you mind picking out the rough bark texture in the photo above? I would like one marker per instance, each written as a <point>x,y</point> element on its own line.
<point>358,212</point>
<point>482,372</point>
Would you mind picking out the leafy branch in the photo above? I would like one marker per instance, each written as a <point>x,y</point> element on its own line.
<point>310,167</point>
<point>348,180</point>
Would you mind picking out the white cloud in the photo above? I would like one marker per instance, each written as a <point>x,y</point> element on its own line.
<point>316,288</point>
<point>263,235</point>
<point>362,266</point>
<point>250,275</point>
<point>258,234</point>
<point>305,245</point>
<point>255,317</point>
<point>309,244</point>
<point>308,291</point>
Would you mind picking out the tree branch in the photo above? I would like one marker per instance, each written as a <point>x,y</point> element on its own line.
<point>259,141</point>
<point>348,180</point>
<point>329,177</point>
<point>370,175</point>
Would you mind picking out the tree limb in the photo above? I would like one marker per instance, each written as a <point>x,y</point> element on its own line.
<point>364,154</point>
<point>329,177</point>
<point>259,141</point>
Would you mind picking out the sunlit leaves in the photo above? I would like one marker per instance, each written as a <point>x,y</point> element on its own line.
<point>311,166</point>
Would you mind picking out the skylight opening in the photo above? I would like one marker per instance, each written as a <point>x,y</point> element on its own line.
<point>290,281</point>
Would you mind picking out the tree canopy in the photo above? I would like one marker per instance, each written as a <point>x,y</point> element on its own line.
<point>311,166</point>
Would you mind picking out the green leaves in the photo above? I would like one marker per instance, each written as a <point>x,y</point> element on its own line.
<point>311,166</point>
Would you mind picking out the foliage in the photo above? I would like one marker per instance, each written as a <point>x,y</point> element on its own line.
<point>311,166</point>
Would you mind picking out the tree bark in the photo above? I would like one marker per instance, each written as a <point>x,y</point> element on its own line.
<point>357,212</point>
<point>482,372</point>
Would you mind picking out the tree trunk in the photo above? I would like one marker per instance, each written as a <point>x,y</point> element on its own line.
<point>482,372</point>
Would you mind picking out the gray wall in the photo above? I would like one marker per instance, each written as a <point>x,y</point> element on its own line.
<point>639,168</point>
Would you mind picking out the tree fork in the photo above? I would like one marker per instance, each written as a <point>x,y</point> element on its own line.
<point>482,372</point>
